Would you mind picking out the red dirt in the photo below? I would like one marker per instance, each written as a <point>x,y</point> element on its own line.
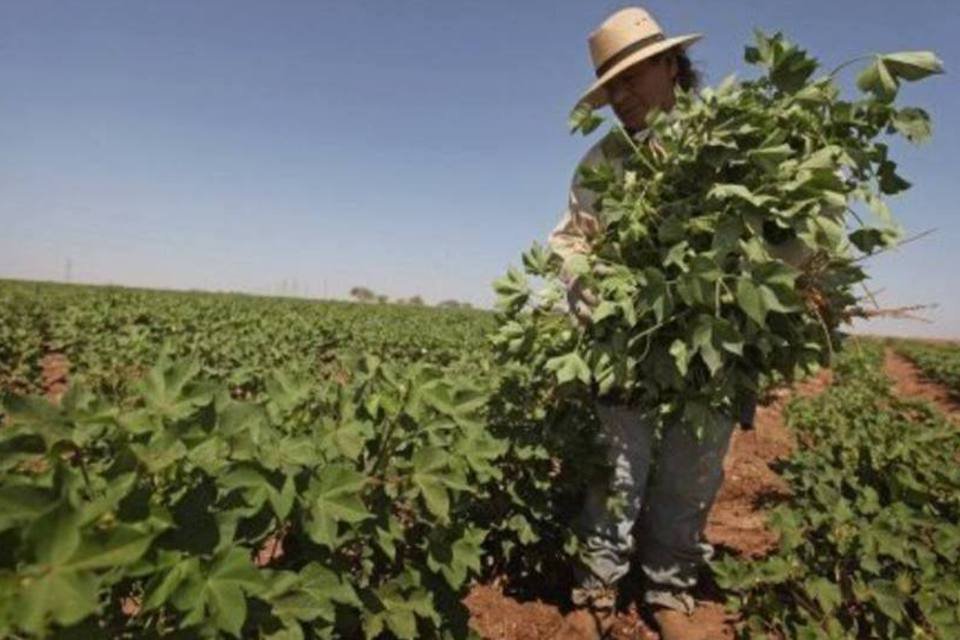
<point>909,381</point>
<point>736,522</point>
<point>272,548</point>
<point>54,369</point>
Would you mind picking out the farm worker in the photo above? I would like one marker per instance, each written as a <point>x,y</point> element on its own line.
<point>637,68</point>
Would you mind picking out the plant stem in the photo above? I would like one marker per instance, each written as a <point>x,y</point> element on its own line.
<point>848,63</point>
<point>385,449</point>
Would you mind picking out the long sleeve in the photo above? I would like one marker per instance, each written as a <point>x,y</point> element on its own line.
<point>574,233</point>
<point>580,223</point>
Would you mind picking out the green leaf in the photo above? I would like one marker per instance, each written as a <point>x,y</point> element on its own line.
<point>672,230</point>
<point>882,77</point>
<point>751,301</point>
<point>170,390</point>
<point>606,309</point>
<point>350,438</point>
<point>583,119</point>
<point>398,611</point>
<point>336,496</point>
<point>569,367</point>
<point>913,65</point>
<point>727,336</point>
<point>218,595</point>
<point>512,290</point>
<point>163,451</point>
<point>888,599</point>
<point>286,392</point>
<point>38,416</point>
<point>241,417</point>
<point>826,593</point>
<point>725,192</point>
<point>536,260</point>
<point>55,535</point>
<point>576,266</point>
<point>913,123</point>
<point>458,560</point>
<point>432,477</point>
<point>681,355</point>
<point>211,455</point>
<point>162,585</point>
<point>313,594</point>
<point>789,67</point>
<point>282,501</point>
<point>703,342</point>
<point>20,504</point>
<point>890,183</point>
<point>777,274</point>
<point>770,157</point>
<point>772,301</point>
<point>727,233</point>
<point>64,598</point>
<point>878,80</point>
<point>123,546</point>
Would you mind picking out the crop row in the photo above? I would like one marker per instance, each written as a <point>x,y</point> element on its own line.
<point>870,536</point>
<point>938,362</point>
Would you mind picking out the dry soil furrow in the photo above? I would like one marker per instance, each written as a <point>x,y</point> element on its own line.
<point>909,381</point>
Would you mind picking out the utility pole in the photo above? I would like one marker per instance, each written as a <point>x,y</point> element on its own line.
<point>68,270</point>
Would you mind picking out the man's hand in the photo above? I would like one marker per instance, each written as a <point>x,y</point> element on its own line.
<point>581,301</point>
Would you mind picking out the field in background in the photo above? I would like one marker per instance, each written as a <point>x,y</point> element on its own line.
<point>109,334</point>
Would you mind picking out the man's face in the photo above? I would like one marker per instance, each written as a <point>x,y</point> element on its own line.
<point>636,91</point>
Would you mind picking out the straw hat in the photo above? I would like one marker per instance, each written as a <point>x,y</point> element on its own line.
<point>624,39</point>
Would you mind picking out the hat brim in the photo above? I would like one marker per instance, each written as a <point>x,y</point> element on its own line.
<point>596,95</point>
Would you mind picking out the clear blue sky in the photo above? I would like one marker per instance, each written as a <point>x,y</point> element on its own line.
<point>412,147</point>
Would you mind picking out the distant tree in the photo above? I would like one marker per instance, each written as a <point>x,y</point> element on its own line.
<point>362,294</point>
<point>415,300</point>
<point>452,304</point>
<point>382,299</point>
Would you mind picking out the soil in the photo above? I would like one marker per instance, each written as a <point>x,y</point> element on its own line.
<point>54,371</point>
<point>910,381</point>
<point>736,525</point>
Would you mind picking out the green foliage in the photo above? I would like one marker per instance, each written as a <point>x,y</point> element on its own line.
<point>583,119</point>
<point>112,335</point>
<point>731,246</point>
<point>870,535</point>
<point>174,501</point>
<point>884,75</point>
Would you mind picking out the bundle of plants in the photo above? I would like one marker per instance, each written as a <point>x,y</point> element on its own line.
<point>733,241</point>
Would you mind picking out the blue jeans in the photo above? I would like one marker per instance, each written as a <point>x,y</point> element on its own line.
<point>672,508</point>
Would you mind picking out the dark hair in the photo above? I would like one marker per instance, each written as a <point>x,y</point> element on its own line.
<point>688,77</point>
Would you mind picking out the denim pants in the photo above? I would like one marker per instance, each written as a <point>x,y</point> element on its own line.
<point>672,507</point>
